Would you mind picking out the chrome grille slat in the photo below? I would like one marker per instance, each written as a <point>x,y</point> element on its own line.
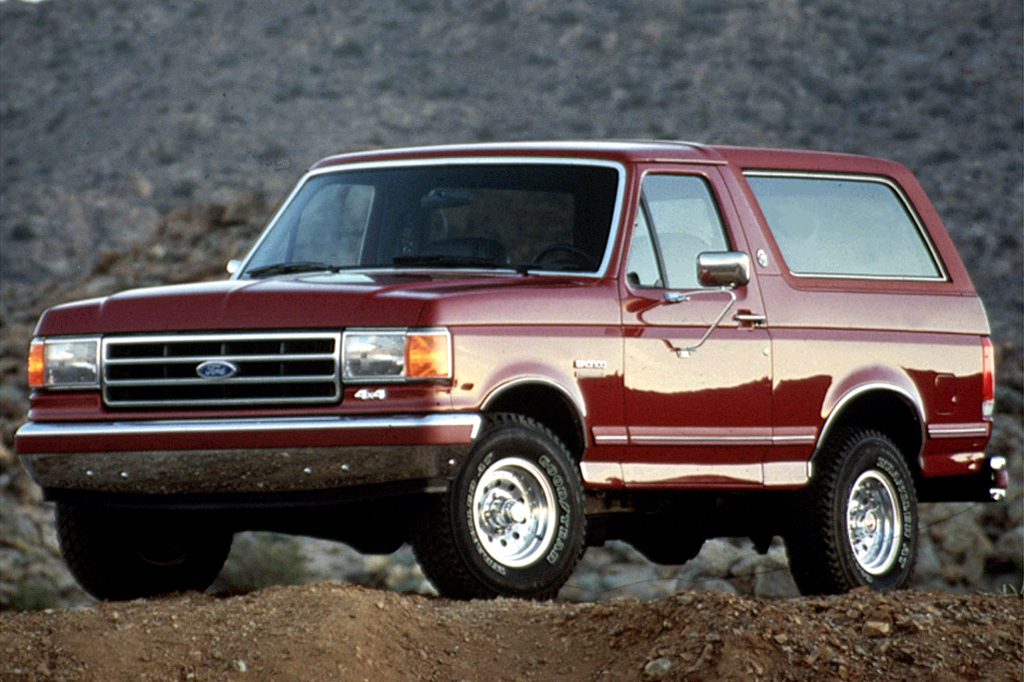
<point>237,381</point>
<point>204,358</point>
<point>273,369</point>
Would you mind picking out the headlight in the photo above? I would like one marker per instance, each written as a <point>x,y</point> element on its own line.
<point>372,356</point>
<point>64,363</point>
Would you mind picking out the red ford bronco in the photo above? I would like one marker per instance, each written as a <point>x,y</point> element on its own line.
<point>505,353</point>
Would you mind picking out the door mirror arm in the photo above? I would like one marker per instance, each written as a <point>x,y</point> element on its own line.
<point>682,296</point>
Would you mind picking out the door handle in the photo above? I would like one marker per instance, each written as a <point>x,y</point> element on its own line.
<point>755,319</point>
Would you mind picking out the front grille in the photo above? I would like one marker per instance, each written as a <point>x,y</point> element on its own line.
<point>269,369</point>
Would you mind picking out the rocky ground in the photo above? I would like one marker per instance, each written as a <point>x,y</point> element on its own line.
<point>329,631</point>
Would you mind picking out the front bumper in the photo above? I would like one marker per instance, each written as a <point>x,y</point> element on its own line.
<point>243,455</point>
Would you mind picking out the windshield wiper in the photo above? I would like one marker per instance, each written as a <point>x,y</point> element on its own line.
<point>288,268</point>
<point>443,261</point>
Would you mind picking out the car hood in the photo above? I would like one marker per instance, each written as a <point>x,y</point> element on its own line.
<point>308,301</point>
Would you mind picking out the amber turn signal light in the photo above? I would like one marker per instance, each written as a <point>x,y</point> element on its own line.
<point>37,364</point>
<point>427,355</point>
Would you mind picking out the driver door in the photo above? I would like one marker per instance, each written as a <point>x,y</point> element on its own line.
<point>703,416</point>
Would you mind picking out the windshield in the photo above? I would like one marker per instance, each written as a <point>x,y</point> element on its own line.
<point>523,216</point>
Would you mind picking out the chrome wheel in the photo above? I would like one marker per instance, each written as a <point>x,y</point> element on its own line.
<point>874,523</point>
<point>514,512</point>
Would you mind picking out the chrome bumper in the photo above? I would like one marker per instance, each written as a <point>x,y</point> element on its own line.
<point>243,455</point>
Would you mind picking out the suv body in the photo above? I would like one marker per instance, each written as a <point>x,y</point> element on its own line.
<point>503,353</point>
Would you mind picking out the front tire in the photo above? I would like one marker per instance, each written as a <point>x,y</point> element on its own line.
<point>512,523</point>
<point>125,555</point>
<point>858,522</point>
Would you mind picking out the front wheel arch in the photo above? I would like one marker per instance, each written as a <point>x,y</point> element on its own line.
<point>547,403</point>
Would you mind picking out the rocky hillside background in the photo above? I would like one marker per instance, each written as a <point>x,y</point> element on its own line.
<point>145,143</point>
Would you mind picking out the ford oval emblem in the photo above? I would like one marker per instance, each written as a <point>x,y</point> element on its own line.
<point>217,369</point>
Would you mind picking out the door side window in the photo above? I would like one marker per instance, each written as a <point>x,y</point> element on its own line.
<point>643,269</point>
<point>681,222</point>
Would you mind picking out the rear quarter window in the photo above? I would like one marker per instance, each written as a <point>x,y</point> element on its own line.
<point>844,226</point>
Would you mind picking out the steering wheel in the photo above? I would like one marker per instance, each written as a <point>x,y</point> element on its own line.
<point>580,256</point>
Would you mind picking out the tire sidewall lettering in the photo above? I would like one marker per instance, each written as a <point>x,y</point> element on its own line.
<point>882,463</point>
<point>564,508</point>
<point>485,462</point>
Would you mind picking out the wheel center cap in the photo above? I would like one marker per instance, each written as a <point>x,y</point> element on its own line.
<point>871,523</point>
<point>517,512</point>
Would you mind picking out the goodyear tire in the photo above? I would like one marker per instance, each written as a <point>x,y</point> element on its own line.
<point>512,523</point>
<point>127,555</point>
<point>858,525</point>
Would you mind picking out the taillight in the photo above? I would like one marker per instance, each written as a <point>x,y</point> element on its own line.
<point>988,378</point>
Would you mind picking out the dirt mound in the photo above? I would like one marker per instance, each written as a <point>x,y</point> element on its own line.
<point>331,631</point>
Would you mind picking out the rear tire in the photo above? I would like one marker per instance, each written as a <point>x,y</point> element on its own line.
<point>857,525</point>
<point>128,555</point>
<point>512,522</point>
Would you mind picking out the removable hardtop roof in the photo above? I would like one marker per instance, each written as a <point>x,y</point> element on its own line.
<point>633,151</point>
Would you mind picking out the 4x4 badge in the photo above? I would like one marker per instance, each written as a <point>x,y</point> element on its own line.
<point>367,394</point>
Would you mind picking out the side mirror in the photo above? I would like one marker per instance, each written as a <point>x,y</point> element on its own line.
<point>233,265</point>
<point>729,269</point>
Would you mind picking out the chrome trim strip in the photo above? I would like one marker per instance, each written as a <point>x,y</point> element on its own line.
<point>711,440</point>
<point>611,439</point>
<point>303,379</point>
<point>708,440</point>
<point>907,206</point>
<point>955,431</point>
<point>184,360</point>
<point>456,160</point>
<point>160,427</point>
<point>793,439</point>
<point>187,337</point>
<point>725,440</point>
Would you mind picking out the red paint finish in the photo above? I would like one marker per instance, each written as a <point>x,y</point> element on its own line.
<point>677,407</point>
<point>746,410</point>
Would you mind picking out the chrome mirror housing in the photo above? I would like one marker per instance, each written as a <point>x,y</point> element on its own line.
<point>233,265</point>
<point>729,269</point>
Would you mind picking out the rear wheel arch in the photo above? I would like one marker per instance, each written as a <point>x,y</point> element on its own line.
<point>891,410</point>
